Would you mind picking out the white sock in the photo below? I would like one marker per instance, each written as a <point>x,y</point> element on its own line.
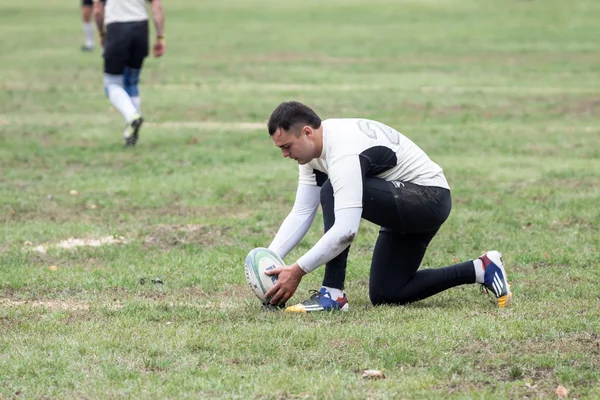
<point>88,32</point>
<point>335,293</point>
<point>479,271</point>
<point>137,102</point>
<point>122,102</point>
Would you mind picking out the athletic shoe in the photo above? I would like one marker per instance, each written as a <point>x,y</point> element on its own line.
<point>495,277</point>
<point>132,130</point>
<point>320,301</point>
<point>86,48</point>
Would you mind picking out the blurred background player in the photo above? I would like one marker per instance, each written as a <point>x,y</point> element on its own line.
<point>123,28</point>
<point>88,25</point>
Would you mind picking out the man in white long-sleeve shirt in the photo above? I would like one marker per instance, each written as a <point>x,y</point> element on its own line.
<point>359,168</point>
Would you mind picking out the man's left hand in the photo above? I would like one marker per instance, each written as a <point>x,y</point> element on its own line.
<point>289,278</point>
<point>160,46</point>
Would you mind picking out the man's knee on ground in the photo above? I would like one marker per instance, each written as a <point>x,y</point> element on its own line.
<point>131,79</point>
<point>112,80</point>
<point>379,297</point>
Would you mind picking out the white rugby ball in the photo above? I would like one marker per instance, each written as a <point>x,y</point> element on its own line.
<point>258,261</point>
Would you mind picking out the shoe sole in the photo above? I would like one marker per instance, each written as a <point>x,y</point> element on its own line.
<point>294,309</point>
<point>506,300</point>
<point>301,310</point>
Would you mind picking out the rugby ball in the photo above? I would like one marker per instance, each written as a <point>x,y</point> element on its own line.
<point>258,261</point>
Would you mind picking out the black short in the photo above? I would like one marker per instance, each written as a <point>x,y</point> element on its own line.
<point>90,3</point>
<point>405,207</point>
<point>409,216</point>
<point>126,45</point>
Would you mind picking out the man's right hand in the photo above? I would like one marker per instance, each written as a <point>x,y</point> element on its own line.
<point>288,279</point>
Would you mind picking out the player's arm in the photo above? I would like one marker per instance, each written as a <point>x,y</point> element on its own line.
<point>99,18</point>
<point>158,16</point>
<point>334,241</point>
<point>347,180</point>
<point>299,220</point>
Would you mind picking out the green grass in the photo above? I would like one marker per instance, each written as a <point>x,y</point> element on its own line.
<point>503,95</point>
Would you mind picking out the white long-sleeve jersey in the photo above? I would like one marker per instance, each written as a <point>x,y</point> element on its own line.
<point>352,150</point>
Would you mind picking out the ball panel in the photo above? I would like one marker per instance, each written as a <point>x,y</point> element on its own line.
<point>258,261</point>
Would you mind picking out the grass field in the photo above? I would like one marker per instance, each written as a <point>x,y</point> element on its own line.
<point>504,95</point>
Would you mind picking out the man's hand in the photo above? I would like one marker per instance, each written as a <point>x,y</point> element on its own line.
<point>102,37</point>
<point>287,282</point>
<point>159,47</point>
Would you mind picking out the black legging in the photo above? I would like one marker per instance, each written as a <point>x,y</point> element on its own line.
<point>409,215</point>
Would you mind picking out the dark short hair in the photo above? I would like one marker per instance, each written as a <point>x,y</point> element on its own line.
<point>290,113</point>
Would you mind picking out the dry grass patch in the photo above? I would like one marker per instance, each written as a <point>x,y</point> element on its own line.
<point>169,235</point>
<point>50,304</point>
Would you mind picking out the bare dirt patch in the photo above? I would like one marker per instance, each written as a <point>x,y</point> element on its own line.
<point>72,243</point>
<point>55,305</point>
<point>587,106</point>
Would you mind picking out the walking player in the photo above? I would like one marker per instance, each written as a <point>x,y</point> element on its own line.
<point>123,28</point>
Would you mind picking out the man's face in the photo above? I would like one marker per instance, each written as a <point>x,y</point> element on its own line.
<point>297,147</point>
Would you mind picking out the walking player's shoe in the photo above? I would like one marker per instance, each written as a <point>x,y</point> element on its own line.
<point>320,301</point>
<point>132,130</point>
<point>495,277</point>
